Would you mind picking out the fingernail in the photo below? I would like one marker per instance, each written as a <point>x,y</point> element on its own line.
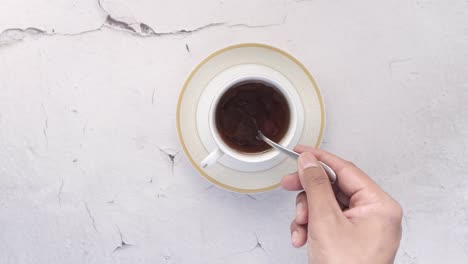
<point>294,237</point>
<point>307,160</point>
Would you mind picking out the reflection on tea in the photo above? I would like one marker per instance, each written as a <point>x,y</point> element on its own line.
<point>248,107</point>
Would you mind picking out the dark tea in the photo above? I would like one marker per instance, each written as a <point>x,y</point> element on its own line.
<point>248,107</point>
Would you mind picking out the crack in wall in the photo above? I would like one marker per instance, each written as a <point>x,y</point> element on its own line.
<point>396,61</point>
<point>258,245</point>
<point>243,25</point>
<point>251,197</point>
<point>111,22</point>
<point>152,95</point>
<point>143,30</point>
<point>85,127</point>
<point>166,258</point>
<point>46,125</point>
<point>46,137</point>
<point>171,155</point>
<point>114,198</point>
<point>91,217</point>
<point>15,35</point>
<point>12,35</point>
<point>161,196</point>
<point>409,258</point>
<point>59,195</point>
<point>138,29</point>
<point>122,244</point>
<point>46,117</point>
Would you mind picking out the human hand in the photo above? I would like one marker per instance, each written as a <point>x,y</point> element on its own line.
<point>353,221</point>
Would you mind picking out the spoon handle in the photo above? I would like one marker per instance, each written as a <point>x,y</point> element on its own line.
<point>294,155</point>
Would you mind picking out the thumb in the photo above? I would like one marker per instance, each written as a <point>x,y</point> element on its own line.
<point>320,197</point>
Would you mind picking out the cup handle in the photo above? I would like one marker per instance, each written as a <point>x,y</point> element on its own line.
<point>211,158</point>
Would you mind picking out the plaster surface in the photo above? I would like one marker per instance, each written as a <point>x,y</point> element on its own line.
<point>91,170</point>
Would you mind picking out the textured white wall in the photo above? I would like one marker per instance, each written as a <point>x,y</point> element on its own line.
<point>87,103</point>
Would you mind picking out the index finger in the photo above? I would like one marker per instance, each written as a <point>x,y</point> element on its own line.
<point>350,178</point>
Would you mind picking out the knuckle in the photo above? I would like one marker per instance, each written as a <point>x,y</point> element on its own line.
<point>395,211</point>
<point>350,164</point>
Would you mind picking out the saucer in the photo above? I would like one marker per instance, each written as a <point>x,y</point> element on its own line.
<point>199,89</point>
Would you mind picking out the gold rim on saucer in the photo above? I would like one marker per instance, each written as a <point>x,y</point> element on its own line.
<point>189,79</point>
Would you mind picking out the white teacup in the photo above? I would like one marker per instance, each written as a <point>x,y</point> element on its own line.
<point>224,154</point>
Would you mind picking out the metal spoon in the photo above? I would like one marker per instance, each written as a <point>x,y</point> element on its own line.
<point>292,154</point>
